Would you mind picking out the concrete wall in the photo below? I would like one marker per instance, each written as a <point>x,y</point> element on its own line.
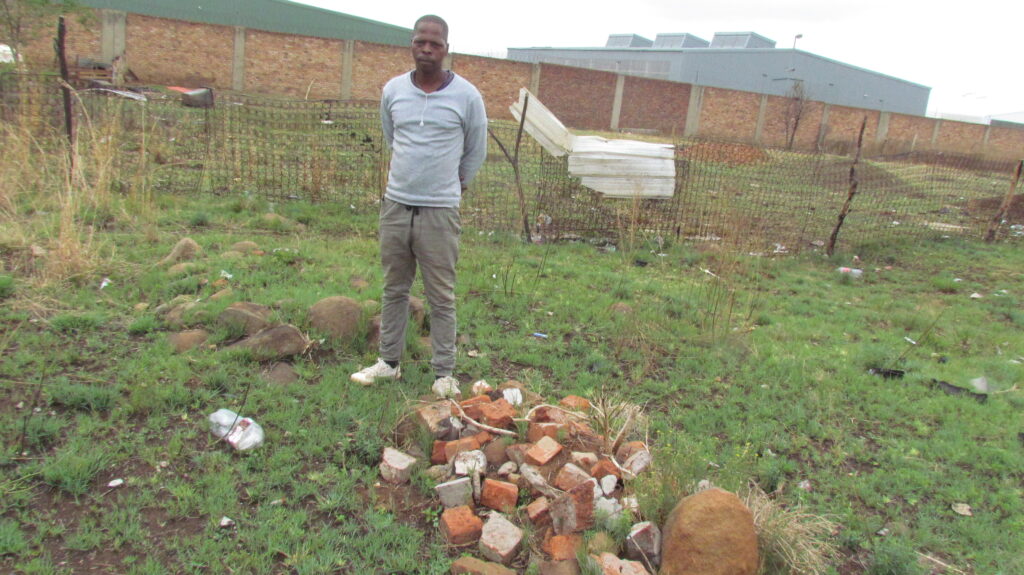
<point>171,52</point>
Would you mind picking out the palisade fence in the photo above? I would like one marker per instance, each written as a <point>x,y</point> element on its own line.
<point>736,195</point>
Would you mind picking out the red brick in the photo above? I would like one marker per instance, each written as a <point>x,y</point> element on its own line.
<point>471,407</point>
<point>537,511</point>
<point>497,414</point>
<point>543,451</point>
<point>563,547</point>
<point>499,495</point>
<point>437,454</point>
<point>453,448</point>
<point>460,525</point>
<point>546,414</point>
<point>605,467</point>
<point>541,429</point>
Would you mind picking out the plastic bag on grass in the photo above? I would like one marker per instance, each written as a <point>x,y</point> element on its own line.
<point>242,433</point>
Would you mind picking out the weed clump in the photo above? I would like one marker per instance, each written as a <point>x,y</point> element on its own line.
<point>790,540</point>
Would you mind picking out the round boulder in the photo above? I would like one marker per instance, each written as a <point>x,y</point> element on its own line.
<point>337,316</point>
<point>709,533</point>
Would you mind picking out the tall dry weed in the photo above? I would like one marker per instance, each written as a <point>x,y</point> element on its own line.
<point>790,540</point>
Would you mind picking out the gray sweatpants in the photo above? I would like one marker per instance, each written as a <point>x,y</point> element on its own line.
<point>429,237</point>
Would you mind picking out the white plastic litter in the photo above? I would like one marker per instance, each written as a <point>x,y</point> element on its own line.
<point>854,272</point>
<point>241,432</point>
<point>513,395</point>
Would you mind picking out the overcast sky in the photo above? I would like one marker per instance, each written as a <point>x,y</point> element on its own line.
<point>968,52</point>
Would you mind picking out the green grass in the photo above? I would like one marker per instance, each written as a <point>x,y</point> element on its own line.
<point>756,373</point>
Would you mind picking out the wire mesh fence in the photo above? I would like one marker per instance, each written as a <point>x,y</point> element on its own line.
<point>746,197</point>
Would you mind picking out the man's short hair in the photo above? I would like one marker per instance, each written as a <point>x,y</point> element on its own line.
<point>436,20</point>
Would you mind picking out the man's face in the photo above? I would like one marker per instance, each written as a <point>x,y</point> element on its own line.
<point>429,47</point>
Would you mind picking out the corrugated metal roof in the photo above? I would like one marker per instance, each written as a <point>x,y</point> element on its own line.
<point>270,15</point>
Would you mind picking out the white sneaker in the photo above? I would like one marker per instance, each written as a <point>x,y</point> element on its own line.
<point>379,370</point>
<point>446,386</point>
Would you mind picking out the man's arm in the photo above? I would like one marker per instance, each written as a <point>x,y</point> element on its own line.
<point>474,149</point>
<point>386,122</point>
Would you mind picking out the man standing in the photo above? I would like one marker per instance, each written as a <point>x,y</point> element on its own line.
<point>436,126</point>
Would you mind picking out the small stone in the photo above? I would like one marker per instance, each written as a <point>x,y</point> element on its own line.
<point>628,449</point>
<point>226,522</point>
<point>496,453</point>
<point>115,483</point>
<point>507,468</point>
<point>513,396</point>
<point>469,462</point>
<point>608,484</point>
<point>472,566</point>
<point>438,472</point>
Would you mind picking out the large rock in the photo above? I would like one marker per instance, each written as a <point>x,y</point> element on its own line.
<point>186,249</point>
<point>709,533</point>
<point>337,316</point>
<point>277,342</point>
<point>247,317</point>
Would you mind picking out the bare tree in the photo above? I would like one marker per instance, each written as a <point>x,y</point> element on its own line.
<point>797,97</point>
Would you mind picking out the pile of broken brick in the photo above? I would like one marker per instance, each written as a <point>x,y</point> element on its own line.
<point>569,478</point>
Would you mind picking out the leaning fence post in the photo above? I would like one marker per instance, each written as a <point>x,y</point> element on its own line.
<point>1004,208</point>
<point>65,89</point>
<point>854,181</point>
<point>514,160</point>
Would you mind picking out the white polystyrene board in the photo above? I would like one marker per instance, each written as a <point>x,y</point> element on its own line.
<point>620,166</point>
<point>542,124</point>
<point>631,187</point>
<point>598,145</point>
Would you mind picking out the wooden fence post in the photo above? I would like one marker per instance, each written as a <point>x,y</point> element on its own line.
<point>1004,208</point>
<point>854,182</point>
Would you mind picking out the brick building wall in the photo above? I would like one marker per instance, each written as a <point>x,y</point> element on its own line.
<point>960,137</point>
<point>727,114</point>
<point>844,126</point>
<point>168,52</point>
<point>162,51</point>
<point>581,99</point>
<point>83,40</point>
<point>294,66</point>
<point>373,65</point>
<point>654,105</point>
<point>499,81</point>
<point>1007,139</point>
<point>909,132</point>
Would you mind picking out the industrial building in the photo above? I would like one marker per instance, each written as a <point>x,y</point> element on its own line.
<point>741,61</point>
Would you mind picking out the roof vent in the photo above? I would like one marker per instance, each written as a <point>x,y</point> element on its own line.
<point>741,40</point>
<point>627,41</point>
<point>679,41</point>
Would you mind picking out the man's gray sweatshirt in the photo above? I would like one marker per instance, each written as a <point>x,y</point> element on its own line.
<point>438,140</point>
